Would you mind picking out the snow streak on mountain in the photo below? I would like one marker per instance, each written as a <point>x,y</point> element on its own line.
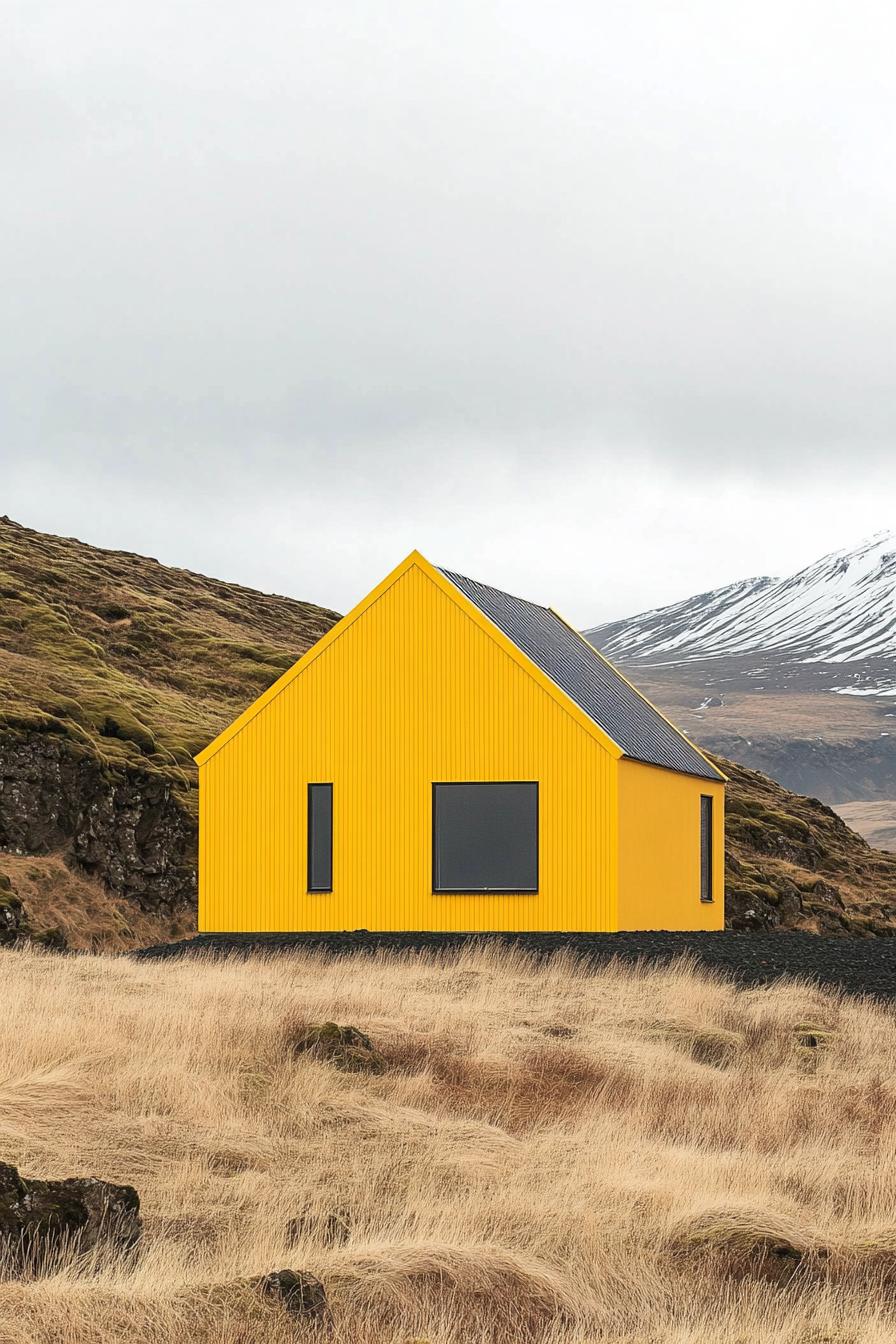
<point>832,624</point>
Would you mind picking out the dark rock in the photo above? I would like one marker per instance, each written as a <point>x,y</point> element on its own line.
<point>13,924</point>
<point>345,1047</point>
<point>301,1294</point>
<point>332,1228</point>
<point>41,1219</point>
<point>123,824</point>
<point>825,892</point>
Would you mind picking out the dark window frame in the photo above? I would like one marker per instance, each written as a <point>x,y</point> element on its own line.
<point>312,885</point>
<point>707,821</point>
<point>485,891</point>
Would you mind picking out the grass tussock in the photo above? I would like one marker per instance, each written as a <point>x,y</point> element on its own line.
<point>548,1154</point>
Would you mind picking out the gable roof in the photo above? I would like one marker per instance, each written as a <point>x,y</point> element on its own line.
<point>578,669</point>
<point>485,604</point>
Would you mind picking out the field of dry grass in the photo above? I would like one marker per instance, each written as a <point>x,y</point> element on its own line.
<point>551,1154</point>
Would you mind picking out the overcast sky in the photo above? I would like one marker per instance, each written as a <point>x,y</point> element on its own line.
<point>595,301</point>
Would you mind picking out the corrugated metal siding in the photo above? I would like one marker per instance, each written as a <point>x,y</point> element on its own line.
<point>659,850</point>
<point>411,692</point>
<point>595,686</point>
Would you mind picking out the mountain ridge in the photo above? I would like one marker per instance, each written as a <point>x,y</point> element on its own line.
<point>839,610</point>
<point>793,676</point>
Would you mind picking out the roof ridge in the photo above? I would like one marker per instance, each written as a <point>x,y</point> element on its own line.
<point>455,574</point>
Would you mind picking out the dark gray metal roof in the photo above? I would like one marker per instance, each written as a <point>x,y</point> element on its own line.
<point>587,678</point>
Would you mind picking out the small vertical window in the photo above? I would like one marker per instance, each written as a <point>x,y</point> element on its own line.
<point>320,837</point>
<point>705,847</point>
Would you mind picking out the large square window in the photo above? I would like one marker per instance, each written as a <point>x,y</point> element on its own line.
<point>485,837</point>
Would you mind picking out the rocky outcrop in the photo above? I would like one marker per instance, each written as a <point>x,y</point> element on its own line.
<point>42,1220</point>
<point>345,1047</point>
<point>792,862</point>
<point>127,826</point>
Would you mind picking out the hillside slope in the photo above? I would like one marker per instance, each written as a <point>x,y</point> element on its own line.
<point>114,669</point>
<point>792,862</point>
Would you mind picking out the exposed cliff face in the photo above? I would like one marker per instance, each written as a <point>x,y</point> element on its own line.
<point>132,828</point>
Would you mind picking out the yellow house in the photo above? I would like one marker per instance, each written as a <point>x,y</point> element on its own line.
<point>449,757</point>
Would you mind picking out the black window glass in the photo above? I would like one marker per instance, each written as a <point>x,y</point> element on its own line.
<point>705,847</point>
<point>320,837</point>
<point>485,837</point>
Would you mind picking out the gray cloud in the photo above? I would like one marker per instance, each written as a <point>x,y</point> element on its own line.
<point>291,288</point>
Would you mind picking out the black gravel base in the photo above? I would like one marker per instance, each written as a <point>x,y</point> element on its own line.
<point>855,965</point>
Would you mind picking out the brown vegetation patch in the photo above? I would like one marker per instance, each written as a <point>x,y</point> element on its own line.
<point>539,1085</point>
<point>489,1293</point>
<point>744,1243</point>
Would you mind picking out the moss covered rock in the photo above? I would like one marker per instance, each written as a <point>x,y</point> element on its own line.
<point>345,1047</point>
<point>301,1294</point>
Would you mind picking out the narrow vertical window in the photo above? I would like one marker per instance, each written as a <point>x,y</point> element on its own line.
<point>320,837</point>
<point>705,847</point>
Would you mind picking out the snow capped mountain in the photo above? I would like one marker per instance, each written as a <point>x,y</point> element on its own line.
<point>830,626</point>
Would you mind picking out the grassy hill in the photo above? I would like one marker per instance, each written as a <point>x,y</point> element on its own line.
<point>792,862</point>
<point>137,663</point>
<point>115,669</point>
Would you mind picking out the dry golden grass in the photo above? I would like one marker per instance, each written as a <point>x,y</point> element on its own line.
<point>552,1154</point>
<point>90,917</point>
